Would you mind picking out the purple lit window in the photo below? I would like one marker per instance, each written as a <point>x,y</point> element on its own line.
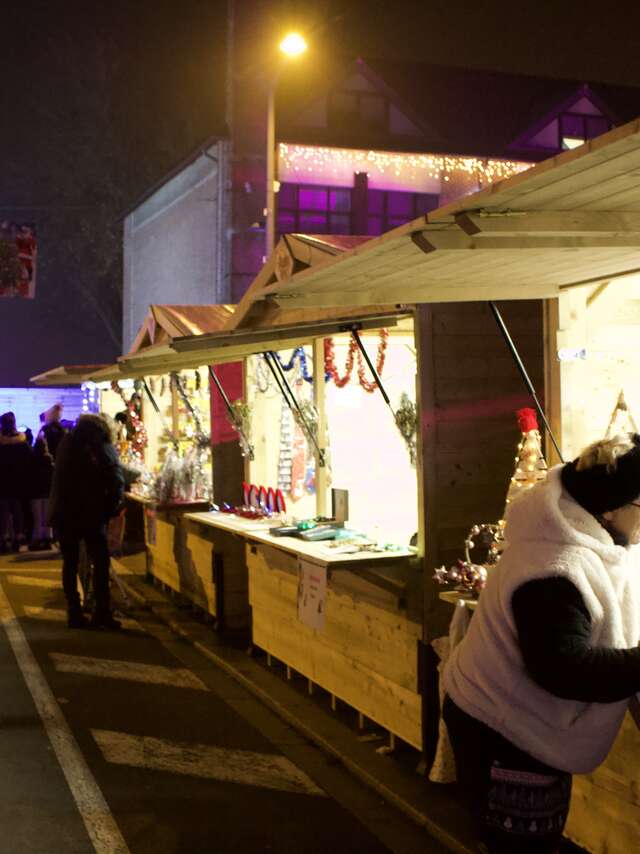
<point>312,198</point>
<point>287,197</point>
<point>340,200</point>
<point>400,204</point>
<point>313,223</point>
<point>596,125</point>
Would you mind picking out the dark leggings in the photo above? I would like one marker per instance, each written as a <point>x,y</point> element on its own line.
<point>518,803</point>
<point>95,540</point>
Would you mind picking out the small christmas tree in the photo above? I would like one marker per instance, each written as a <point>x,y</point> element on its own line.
<point>531,466</point>
<point>621,420</point>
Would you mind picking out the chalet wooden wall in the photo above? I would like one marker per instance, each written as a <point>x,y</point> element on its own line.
<point>469,390</point>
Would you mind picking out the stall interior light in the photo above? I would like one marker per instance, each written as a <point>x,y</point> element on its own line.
<point>572,354</point>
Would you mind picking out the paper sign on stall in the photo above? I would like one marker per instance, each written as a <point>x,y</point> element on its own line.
<point>312,593</point>
<point>151,527</point>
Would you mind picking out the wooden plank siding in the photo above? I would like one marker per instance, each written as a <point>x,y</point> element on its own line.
<point>476,389</point>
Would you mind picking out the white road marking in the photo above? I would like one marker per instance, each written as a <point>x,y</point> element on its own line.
<point>28,581</point>
<point>30,567</point>
<point>245,767</point>
<point>131,671</point>
<point>57,615</point>
<point>98,820</point>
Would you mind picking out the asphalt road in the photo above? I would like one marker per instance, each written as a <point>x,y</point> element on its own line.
<point>132,741</point>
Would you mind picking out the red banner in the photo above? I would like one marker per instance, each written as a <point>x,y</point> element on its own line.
<point>18,255</point>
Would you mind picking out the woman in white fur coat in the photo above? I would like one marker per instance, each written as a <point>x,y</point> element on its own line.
<point>538,688</point>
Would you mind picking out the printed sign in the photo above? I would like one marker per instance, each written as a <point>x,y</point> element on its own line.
<point>18,252</point>
<point>150,516</point>
<point>312,594</point>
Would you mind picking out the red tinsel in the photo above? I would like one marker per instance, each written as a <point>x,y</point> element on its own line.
<point>332,372</point>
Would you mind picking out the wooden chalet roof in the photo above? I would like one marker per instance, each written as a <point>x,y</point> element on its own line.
<point>571,220</point>
<point>163,323</point>
<point>65,375</point>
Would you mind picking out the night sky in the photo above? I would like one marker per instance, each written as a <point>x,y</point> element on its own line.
<point>100,99</point>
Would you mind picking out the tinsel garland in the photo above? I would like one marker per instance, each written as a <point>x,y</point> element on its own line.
<point>141,440</point>
<point>406,417</point>
<point>240,420</point>
<point>331,370</point>
<point>202,439</point>
<point>298,355</point>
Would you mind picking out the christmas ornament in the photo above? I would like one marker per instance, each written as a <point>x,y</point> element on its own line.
<point>469,577</point>
<point>531,466</point>
<point>406,417</point>
<point>621,420</point>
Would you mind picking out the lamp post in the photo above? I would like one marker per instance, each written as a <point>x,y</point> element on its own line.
<point>291,46</point>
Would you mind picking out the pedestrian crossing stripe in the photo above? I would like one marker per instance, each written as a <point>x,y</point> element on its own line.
<point>29,581</point>
<point>57,615</point>
<point>130,671</point>
<point>243,767</point>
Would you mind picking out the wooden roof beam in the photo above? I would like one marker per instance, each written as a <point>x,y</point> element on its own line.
<point>547,223</point>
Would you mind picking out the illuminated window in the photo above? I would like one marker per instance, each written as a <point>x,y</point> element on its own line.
<point>309,209</point>
<point>388,209</point>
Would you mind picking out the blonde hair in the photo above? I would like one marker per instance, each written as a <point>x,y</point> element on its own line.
<point>605,452</point>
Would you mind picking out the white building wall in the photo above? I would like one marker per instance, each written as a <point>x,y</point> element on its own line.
<point>175,243</point>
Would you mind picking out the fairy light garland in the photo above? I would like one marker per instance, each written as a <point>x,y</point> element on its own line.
<point>299,161</point>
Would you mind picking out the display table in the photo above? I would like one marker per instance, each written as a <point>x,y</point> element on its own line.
<point>366,651</point>
<point>166,542</point>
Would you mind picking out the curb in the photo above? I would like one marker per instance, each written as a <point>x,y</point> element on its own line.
<point>437,831</point>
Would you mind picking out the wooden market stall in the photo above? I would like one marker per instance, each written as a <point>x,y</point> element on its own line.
<point>366,652</point>
<point>567,231</point>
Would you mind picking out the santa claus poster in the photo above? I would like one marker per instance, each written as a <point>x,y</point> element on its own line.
<point>18,254</point>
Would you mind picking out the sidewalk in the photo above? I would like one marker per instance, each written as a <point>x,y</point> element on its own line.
<point>430,805</point>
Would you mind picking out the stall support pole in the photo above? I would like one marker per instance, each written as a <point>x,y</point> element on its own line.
<point>523,373</point>
<point>319,401</point>
<point>175,417</point>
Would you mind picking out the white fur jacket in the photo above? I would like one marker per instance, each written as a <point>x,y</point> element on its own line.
<point>548,534</point>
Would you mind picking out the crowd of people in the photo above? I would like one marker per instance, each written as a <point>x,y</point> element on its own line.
<point>26,472</point>
<point>67,485</point>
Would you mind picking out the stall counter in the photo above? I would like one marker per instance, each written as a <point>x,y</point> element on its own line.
<point>165,541</point>
<point>362,644</point>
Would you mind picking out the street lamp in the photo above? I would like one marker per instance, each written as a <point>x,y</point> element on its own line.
<point>291,46</point>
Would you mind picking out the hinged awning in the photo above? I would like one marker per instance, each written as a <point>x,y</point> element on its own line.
<point>570,221</point>
<point>67,375</point>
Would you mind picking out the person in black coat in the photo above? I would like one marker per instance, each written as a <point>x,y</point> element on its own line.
<point>87,491</point>
<point>53,428</point>
<point>15,454</point>
<point>40,480</point>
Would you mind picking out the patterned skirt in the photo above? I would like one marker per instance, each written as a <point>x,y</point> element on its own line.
<point>518,803</point>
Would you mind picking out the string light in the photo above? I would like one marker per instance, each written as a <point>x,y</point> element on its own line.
<point>297,163</point>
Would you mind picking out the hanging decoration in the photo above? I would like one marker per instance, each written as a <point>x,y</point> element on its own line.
<point>332,373</point>
<point>201,438</point>
<point>240,419</point>
<point>298,355</point>
<point>406,417</point>
<point>466,577</point>
<point>285,460</point>
<point>531,466</point>
<point>136,429</point>
<point>621,420</point>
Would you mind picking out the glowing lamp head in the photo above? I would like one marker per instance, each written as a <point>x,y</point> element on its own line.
<point>293,44</point>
